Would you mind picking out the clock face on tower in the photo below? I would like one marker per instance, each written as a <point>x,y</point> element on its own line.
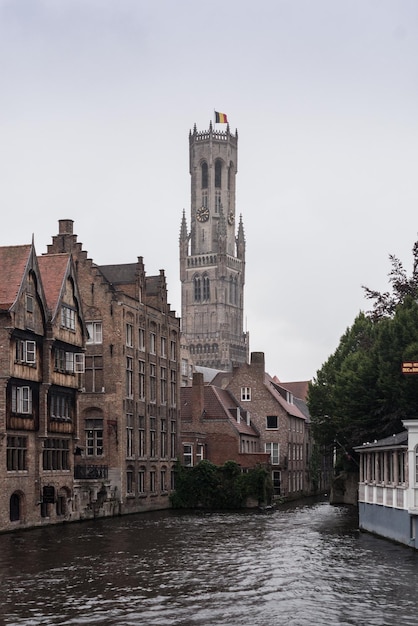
<point>202,214</point>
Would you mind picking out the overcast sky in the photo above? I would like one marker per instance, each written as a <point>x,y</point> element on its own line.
<point>97,100</point>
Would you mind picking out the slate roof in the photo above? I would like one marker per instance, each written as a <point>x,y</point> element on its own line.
<point>218,404</point>
<point>122,274</point>
<point>13,263</point>
<point>53,268</point>
<point>399,439</point>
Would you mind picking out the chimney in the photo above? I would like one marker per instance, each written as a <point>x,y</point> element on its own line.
<point>257,360</point>
<point>198,395</point>
<point>65,227</point>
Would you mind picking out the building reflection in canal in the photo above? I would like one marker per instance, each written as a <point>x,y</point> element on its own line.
<point>302,564</point>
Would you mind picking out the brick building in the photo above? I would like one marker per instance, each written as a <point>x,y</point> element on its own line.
<point>281,420</point>
<point>90,394</point>
<point>129,403</point>
<point>42,335</point>
<point>215,427</point>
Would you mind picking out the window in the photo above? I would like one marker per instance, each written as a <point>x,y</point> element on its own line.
<point>129,335</point>
<point>218,201</point>
<point>163,347</point>
<point>69,362</point>
<point>204,175</point>
<point>56,454</point>
<point>272,422</point>
<point>95,332</point>
<point>141,481</point>
<point>153,382</point>
<point>173,351</point>
<point>173,387</point>
<point>22,400</point>
<point>17,453</point>
<point>245,393</point>
<point>163,438</point>
<point>153,340</point>
<point>29,304</point>
<point>163,480</point>
<point>152,481</point>
<point>188,455</point>
<point>416,465</point>
<point>129,434</point>
<point>205,203</point>
<point>60,406</point>
<point>129,480</point>
<point>94,437</point>
<point>141,339</point>
<point>273,450</point>
<point>153,436</point>
<point>218,173</point>
<point>67,318</point>
<point>129,377</point>
<point>93,379</point>
<point>141,368</point>
<point>277,479</point>
<point>206,288</point>
<point>141,441</point>
<point>200,452</point>
<point>173,440</point>
<point>163,385</point>
<point>26,352</point>
<point>197,289</point>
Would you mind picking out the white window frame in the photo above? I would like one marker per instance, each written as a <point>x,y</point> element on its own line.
<point>273,448</point>
<point>26,351</point>
<point>245,394</point>
<point>188,454</point>
<point>22,400</point>
<point>95,331</point>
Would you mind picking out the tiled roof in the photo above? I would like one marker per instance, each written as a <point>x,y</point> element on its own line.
<point>299,388</point>
<point>217,405</point>
<point>13,262</point>
<point>53,268</point>
<point>291,409</point>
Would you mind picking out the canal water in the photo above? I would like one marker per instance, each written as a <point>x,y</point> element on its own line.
<point>303,564</point>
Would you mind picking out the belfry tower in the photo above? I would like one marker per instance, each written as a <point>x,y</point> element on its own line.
<point>212,255</point>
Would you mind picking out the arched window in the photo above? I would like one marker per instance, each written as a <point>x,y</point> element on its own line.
<point>204,175</point>
<point>197,289</point>
<point>14,507</point>
<point>206,288</point>
<point>218,173</point>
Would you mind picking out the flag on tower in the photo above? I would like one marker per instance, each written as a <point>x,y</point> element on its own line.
<point>220,118</point>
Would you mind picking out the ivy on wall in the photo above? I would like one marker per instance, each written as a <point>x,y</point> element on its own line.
<point>210,486</point>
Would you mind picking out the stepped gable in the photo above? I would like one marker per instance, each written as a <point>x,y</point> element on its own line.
<point>13,262</point>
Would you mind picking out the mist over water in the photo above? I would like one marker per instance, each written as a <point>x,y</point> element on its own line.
<point>303,564</point>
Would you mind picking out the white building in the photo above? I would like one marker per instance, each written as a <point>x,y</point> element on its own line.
<point>388,486</point>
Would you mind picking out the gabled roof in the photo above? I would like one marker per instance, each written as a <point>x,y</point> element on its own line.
<point>291,409</point>
<point>218,405</point>
<point>13,263</point>
<point>54,269</point>
<point>397,440</point>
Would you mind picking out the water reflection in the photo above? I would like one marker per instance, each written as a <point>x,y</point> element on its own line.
<point>303,564</point>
